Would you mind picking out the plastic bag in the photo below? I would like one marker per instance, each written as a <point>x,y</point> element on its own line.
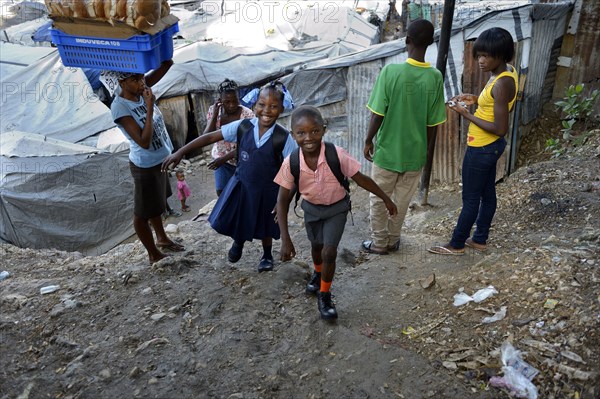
<point>499,315</point>
<point>484,293</point>
<point>517,374</point>
<point>461,298</point>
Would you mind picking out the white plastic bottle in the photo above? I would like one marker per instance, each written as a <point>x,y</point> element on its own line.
<point>48,289</point>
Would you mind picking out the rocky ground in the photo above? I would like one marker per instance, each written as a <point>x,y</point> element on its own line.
<point>196,326</point>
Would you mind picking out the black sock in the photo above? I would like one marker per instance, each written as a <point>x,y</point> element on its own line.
<point>267,252</point>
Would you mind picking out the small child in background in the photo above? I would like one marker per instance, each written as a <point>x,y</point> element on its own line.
<point>324,201</point>
<point>183,190</point>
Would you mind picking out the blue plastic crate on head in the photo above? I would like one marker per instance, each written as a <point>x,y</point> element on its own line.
<point>140,53</point>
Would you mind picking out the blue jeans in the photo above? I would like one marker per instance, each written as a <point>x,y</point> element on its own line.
<point>478,193</point>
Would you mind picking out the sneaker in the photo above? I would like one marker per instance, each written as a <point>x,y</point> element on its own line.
<point>175,213</point>
<point>314,285</point>
<point>326,306</point>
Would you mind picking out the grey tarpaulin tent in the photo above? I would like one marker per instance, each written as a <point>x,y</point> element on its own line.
<point>55,193</point>
<point>65,196</point>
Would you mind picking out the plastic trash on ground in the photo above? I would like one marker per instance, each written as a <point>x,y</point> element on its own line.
<point>461,298</point>
<point>499,315</point>
<point>484,294</point>
<point>517,374</point>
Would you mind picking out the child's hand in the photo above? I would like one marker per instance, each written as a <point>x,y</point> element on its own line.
<point>391,207</point>
<point>287,250</point>
<point>216,163</point>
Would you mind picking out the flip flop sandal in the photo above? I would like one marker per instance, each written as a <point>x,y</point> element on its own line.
<point>367,246</point>
<point>476,246</point>
<point>446,250</point>
<point>173,247</point>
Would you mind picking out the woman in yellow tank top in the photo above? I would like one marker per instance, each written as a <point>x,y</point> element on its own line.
<point>493,49</point>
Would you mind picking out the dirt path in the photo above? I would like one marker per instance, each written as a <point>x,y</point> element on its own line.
<point>196,326</point>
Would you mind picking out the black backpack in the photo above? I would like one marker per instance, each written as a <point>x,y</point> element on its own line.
<point>333,161</point>
<point>280,136</point>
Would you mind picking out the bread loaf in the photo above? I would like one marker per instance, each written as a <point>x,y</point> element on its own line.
<point>121,13</point>
<point>80,9</point>
<point>66,9</point>
<point>147,8</point>
<point>165,8</point>
<point>99,8</point>
<point>141,14</point>
<point>89,5</point>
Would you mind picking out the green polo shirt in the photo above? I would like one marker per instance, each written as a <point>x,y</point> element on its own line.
<point>410,97</point>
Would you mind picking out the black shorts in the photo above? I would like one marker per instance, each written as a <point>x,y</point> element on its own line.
<point>325,223</point>
<point>149,191</point>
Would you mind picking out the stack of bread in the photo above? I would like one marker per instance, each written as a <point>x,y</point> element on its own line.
<point>141,14</point>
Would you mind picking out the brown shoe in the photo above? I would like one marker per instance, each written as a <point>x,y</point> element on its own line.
<point>477,247</point>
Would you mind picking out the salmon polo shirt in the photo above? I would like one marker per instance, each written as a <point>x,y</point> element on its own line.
<point>319,187</point>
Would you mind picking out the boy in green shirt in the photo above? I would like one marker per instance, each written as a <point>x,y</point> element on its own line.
<point>406,103</point>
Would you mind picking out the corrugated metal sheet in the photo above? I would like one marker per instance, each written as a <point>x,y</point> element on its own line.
<point>360,78</point>
<point>449,150</point>
<point>545,23</point>
<point>551,74</point>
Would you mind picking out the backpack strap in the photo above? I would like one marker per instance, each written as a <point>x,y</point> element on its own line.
<point>243,127</point>
<point>331,156</point>
<point>333,161</point>
<point>295,170</point>
<point>280,135</point>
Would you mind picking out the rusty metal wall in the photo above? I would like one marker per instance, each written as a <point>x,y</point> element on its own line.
<point>580,58</point>
<point>585,67</point>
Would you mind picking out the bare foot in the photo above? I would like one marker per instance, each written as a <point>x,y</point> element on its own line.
<point>155,258</point>
<point>170,246</point>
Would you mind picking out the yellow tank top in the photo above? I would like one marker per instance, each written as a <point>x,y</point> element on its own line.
<point>478,137</point>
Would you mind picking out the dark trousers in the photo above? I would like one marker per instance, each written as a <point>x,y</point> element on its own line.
<point>478,193</point>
